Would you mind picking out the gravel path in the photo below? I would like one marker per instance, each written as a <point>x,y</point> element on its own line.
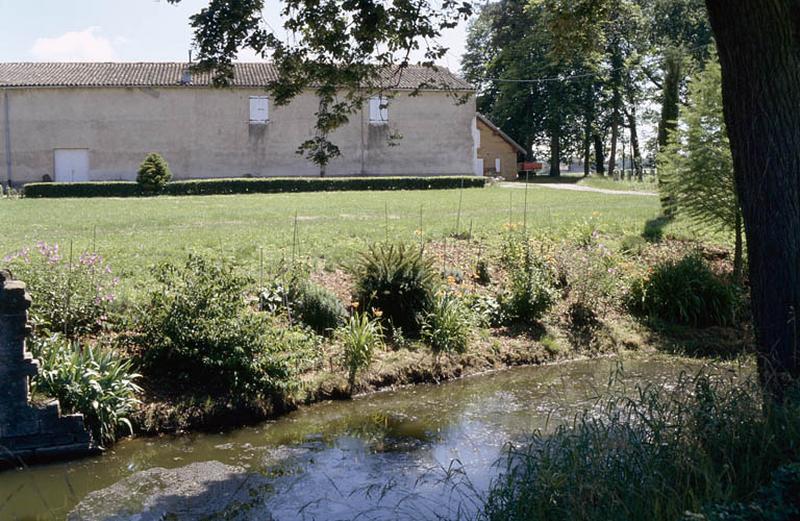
<point>577,188</point>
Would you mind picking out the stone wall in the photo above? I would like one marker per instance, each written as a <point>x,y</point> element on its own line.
<point>29,432</point>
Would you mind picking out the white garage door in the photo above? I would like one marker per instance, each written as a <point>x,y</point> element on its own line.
<point>71,165</point>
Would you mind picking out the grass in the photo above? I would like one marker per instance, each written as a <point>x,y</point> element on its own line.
<point>605,183</point>
<point>135,233</point>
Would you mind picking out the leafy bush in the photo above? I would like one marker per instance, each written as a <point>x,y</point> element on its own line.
<point>486,309</point>
<point>665,451</point>
<point>592,281</point>
<point>448,325</point>
<point>359,338</point>
<point>154,173</point>
<point>685,292</point>
<point>398,280</point>
<point>318,308</point>
<point>69,296</point>
<point>197,328</point>
<point>251,186</point>
<point>531,290</point>
<point>88,379</point>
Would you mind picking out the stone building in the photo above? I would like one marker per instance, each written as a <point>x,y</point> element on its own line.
<point>97,121</point>
<point>497,152</point>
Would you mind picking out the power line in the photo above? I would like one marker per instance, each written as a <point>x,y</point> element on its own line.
<point>575,77</point>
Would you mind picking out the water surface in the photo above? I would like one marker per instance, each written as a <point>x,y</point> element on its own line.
<point>414,453</point>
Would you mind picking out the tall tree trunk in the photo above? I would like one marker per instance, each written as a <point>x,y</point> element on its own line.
<point>555,153</point>
<point>599,156</point>
<point>587,150</point>
<point>670,103</point>
<point>738,253</point>
<point>758,49</point>
<point>612,155</point>
<point>636,152</point>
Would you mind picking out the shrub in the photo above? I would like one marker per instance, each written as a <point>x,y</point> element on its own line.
<point>633,244</point>
<point>482,274</point>
<point>88,379</point>
<point>359,338</point>
<point>667,450</point>
<point>154,173</point>
<point>318,308</point>
<point>530,292</point>
<point>399,281</point>
<point>592,280</point>
<point>197,329</point>
<point>448,325</point>
<point>685,292</point>
<point>251,186</point>
<point>68,296</point>
<point>486,309</point>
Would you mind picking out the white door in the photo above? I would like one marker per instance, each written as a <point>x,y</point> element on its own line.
<point>497,165</point>
<point>71,165</point>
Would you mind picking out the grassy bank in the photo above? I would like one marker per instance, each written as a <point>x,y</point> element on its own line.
<point>135,234</point>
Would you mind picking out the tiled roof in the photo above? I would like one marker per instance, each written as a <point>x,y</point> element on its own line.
<point>169,74</point>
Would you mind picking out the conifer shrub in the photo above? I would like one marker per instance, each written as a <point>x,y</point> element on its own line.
<point>154,173</point>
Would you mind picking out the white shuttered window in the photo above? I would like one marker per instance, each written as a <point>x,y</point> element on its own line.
<point>259,109</point>
<point>378,109</point>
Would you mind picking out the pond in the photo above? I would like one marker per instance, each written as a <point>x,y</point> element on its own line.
<point>413,453</point>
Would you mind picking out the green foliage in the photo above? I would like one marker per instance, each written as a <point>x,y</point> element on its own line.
<point>657,454</point>
<point>69,296</point>
<point>360,337</point>
<point>779,500</point>
<point>448,325</point>
<point>482,275</point>
<point>486,309</point>
<point>154,173</point>
<point>398,280</point>
<point>592,276</point>
<point>633,244</point>
<point>197,328</point>
<point>530,291</point>
<point>318,308</point>
<point>251,186</point>
<point>696,168</point>
<point>685,292</point>
<point>88,379</point>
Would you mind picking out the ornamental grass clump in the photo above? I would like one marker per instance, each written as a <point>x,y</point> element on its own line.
<point>71,294</point>
<point>359,337</point>
<point>447,327</point>
<point>88,379</point>
<point>685,292</point>
<point>398,280</point>
<point>154,173</point>
<point>530,291</point>
<point>662,452</point>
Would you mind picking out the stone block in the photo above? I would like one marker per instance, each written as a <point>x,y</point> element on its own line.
<point>25,431</point>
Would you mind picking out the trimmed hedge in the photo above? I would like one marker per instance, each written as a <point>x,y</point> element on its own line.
<point>251,186</point>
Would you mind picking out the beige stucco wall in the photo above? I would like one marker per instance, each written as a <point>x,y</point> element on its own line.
<point>493,146</point>
<point>205,132</point>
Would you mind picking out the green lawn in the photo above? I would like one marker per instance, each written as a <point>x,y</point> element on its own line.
<point>135,233</point>
<point>594,181</point>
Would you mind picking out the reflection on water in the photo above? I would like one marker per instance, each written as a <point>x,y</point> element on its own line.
<point>415,453</point>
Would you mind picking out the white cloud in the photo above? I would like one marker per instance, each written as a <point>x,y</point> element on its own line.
<point>75,46</point>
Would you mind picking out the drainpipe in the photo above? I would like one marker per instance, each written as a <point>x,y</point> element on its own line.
<point>7,119</point>
<point>362,139</point>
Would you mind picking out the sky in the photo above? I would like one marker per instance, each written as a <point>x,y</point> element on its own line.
<point>124,30</point>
